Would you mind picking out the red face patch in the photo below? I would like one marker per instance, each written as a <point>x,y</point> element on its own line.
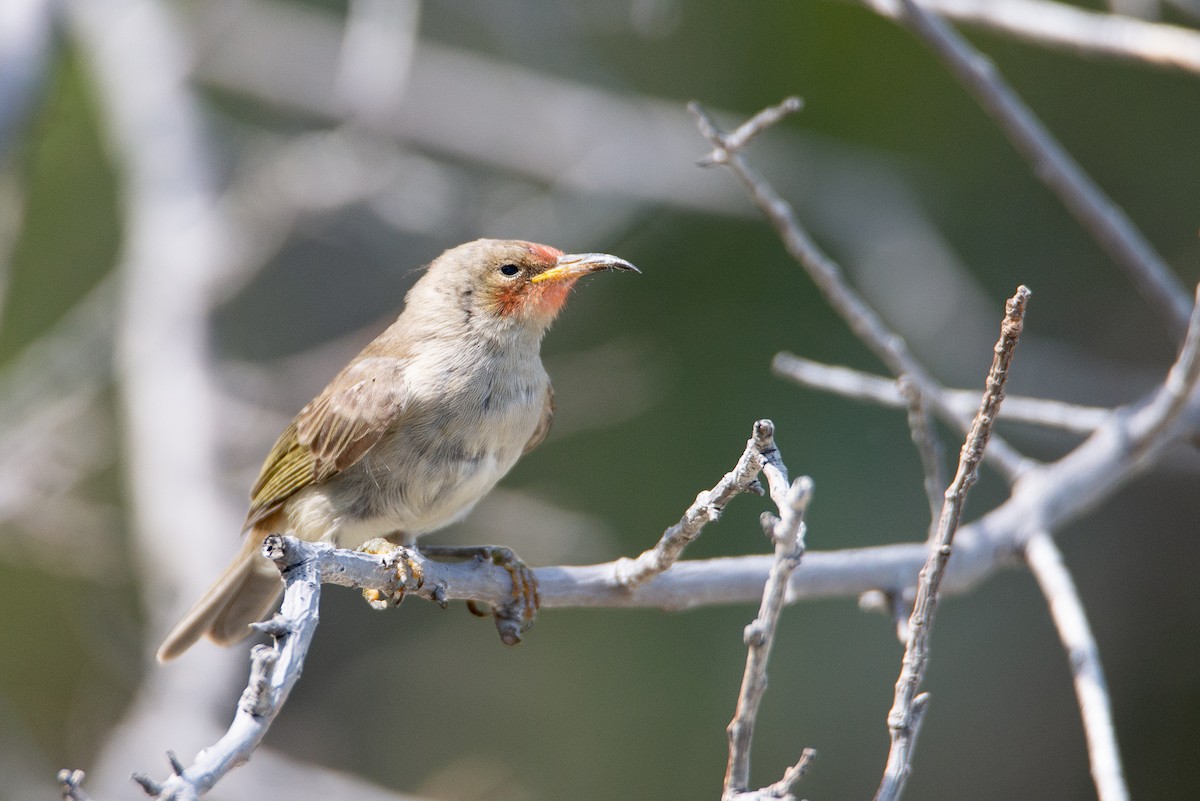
<point>544,252</point>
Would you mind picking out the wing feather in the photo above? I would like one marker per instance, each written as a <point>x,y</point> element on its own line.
<point>331,433</point>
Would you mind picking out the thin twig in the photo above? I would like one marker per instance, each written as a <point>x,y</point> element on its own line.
<point>787,533</point>
<point>827,275</point>
<point>738,139</point>
<point>1052,24</point>
<point>1091,690</point>
<point>928,446</point>
<point>707,508</point>
<point>857,385</point>
<point>783,787</point>
<point>1051,163</point>
<point>903,717</point>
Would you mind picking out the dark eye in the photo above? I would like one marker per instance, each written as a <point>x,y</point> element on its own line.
<point>510,269</point>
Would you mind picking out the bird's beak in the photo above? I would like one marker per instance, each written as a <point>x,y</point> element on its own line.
<point>574,265</point>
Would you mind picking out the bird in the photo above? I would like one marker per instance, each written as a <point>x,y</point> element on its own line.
<point>414,430</point>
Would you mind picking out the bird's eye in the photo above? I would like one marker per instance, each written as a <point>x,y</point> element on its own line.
<point>510,269</point>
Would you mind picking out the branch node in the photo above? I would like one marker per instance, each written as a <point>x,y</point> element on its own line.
<point>256,698</point>
<point>783,788</point>
<point>275,548</point>
<point>275,626</point>
<point>71,783</point>
<point>438,595</point>
<point>151,787</point>
<point>754,635</point>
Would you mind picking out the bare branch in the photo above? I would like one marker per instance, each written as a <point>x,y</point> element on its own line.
<point>1053,165</point>
<point>26,47</point>
<point>740,138</point>
<point>783,787</point>
<point>1046,564</point>
<point>273,673</point>
<point>903,719</point>
<point>707,508</point>
<point>858,385</point>
<point>1052,24</point>
<point>928,446</point>
<point>787,533</point>
<point>1172,398</point>
<point>827,275</point>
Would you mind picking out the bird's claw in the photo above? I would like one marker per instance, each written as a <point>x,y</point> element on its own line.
<point>515,617</point>
<point>408,571</point>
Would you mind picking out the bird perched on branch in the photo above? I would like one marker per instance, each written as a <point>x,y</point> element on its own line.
<point>414,430</point>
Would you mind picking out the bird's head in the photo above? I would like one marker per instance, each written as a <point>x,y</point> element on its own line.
<point>513,282</point>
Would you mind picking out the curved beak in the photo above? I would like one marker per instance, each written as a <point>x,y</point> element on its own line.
<point>574,265</point>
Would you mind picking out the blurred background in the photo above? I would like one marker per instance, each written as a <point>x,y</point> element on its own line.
<point>207,207</point>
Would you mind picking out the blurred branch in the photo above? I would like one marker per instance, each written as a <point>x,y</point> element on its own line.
<point>595,141</point>
<point>1045,562</point>
<point>1171,401</point>
<point>858,385</point>
<point>929,448</point>
<point>173,248</point>
<point>1091,33</point>
<point>908,708</point>
<point>863,320</point>
<point>26,43</point>
<point>1054,166</point>
<point>376,56</point>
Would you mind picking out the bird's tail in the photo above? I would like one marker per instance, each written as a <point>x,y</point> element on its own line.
<point>245,592</point>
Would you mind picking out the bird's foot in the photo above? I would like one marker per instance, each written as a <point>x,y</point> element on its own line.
<point>515,617</point>
<point>407,571</point>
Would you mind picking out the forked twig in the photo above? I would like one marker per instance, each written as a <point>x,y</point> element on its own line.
<point>787,534</point>
<point>827,275</point>
<point>760,451</point>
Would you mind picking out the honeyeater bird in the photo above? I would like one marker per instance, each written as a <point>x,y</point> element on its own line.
<point>414,430</point>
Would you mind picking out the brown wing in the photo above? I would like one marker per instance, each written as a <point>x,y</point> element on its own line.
<point>543,428</point>
<point>331,433</point>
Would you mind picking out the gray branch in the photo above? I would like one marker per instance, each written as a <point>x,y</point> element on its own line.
<point>706,508</point>
<point>1054,166</point>
<point>857,385</point>
<point>908,708</point>
<point>828,276</point>
<point>1052,24</point>
<point>1091,690</point>
<point>787,533</point>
